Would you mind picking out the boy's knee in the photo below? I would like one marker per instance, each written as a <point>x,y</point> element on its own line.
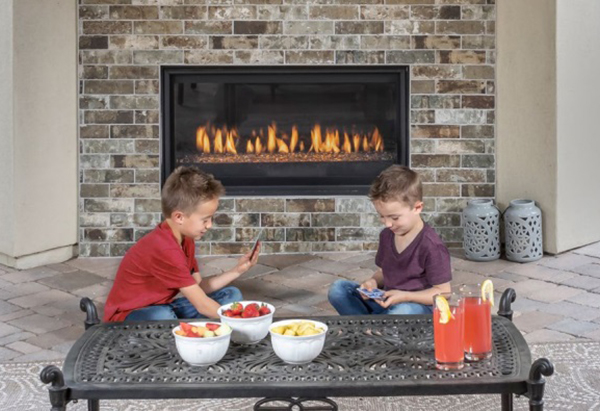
<point>233,294</point>
<point>410,309</point>
<point>340,288</point>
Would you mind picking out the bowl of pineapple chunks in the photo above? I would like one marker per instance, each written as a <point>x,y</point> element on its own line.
<point>298,341</point>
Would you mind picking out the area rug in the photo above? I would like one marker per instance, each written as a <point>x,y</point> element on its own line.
<point>574,386</point>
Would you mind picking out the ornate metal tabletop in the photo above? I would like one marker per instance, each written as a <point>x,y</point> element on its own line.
<point>363,356</point>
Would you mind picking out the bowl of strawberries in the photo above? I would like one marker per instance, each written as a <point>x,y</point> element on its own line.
<point>249,320</point>
<point>201,342</point>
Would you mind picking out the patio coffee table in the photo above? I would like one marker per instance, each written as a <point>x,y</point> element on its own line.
<point>373,355</point>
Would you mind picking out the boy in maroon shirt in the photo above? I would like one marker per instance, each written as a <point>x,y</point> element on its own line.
<point>414,263</point>
<point>163,263</point>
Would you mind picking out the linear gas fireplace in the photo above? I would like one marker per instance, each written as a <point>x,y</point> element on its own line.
<point>286,130</point>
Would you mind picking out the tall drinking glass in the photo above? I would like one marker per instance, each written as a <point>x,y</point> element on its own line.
<point>478,323</point>
<point>448,331</point>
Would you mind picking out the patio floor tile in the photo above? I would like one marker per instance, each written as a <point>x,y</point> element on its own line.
<point>72,280</point>
<point>329,267</point>
<point>19,336</point>
<point>555,294</point>
<point>572,310</point>
<point>7,329</point>
<point>592,250</point>
<point>26,276</point>
<point>582,281</point>
<point>7,308</point>
<point>60,336</point>
<point>589,299</point>
<point>540,272</point>
<point>543,336</point>
<point>592,270</point>
<point>23,347</point>
<point>283,261</point>
<point>574,327</point>
<point>38,299</point>
<point>567,262</point>
<point>38,323</point>
<point>42,355</point>
<point>7,354</point>
<point>534,320</point>
<point>529,287</point>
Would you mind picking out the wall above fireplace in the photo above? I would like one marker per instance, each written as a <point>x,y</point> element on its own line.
<point>449,50</point>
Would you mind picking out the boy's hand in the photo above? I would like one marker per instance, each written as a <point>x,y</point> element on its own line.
<point>370,284</point>
<point>245,262</point>
<point>392,297</point>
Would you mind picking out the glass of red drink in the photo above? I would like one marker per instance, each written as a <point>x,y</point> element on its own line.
<point>478,323</point>
<point>448,314</point>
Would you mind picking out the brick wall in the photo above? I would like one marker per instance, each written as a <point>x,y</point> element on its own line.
<point>449,45</point>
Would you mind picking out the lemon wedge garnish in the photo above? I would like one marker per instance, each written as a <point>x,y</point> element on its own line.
<point>442,305</point>
<point>487,291</point>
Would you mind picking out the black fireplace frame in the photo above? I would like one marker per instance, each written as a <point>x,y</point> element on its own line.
<point>300,186</point>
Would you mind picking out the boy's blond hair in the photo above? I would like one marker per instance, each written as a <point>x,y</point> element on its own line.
<point>186,187</point>
<point>397,183</point>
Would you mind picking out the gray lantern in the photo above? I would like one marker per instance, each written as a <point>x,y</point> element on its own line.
<point>481,224</point>
<point>523,231</point>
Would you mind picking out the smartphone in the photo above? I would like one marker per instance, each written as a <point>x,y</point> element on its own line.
<point>375,293</point>
<point>256,243</point>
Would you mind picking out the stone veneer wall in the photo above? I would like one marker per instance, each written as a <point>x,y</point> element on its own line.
<point>449,44</point>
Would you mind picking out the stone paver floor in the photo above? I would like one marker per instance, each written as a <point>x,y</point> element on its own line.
<point>558,297</point>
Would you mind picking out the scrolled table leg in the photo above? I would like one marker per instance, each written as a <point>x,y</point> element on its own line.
<point>508,297</point>
<point>58,391</point>
<point>507,402</point>
<point>536,383</point>
<point>86,305</point>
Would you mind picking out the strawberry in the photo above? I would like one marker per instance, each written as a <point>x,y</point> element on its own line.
<point>236,308</point>
<point>212,326</point>
<point>264,310</point>
<point>250,311</point>
<point>228,313</point>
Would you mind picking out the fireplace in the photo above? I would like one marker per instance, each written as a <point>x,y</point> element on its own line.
<point>286,130</point>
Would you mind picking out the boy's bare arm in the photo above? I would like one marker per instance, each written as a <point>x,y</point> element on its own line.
<point>217,282</point>
<point>376,281</point>
<point>425,297</point>
<point>202,302</point>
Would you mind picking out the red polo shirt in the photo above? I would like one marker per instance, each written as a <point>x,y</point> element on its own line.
<point>151,273</point>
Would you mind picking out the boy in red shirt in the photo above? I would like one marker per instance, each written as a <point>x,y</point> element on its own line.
<point>163,263</point>
<point>414,263</point>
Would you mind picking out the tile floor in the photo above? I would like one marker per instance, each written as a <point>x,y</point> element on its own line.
<point>558,297</point>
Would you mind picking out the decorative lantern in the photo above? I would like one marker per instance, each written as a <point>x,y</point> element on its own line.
<point>481,224</point>
<point>523,231</point>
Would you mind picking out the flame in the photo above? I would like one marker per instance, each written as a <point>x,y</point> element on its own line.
<point>294,141</point>
<point>347,147</point>
<point>210,139</point>
<point>272,138</point>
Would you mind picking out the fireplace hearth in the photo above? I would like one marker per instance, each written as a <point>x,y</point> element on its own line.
<point>286,130</point>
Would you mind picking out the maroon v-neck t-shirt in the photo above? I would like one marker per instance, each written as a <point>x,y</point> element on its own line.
<point>423,264</point>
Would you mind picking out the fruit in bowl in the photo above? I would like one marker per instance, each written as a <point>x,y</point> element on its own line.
<point>298,341</point>
<point>249,320</point>
<point>202,343</point>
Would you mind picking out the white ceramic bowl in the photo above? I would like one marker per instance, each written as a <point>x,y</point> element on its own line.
<point>298,349</point>
<point>199,350</point>
<point>248,330</point>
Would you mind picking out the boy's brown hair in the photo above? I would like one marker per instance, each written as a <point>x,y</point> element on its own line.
<point>186,187</point>
<point>398,183</point>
